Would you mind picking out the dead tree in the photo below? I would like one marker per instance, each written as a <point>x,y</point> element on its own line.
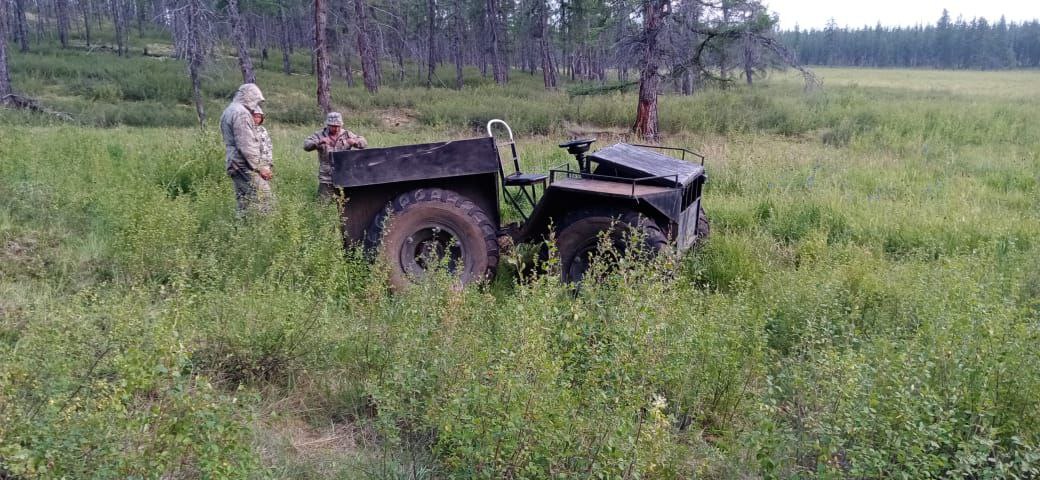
<point>21,26</point>
<point>498,63</point>
<point>193,41</point>
<point>545,46</point>
<point>61,8</point>
<point>431,12</point>
<point>369,59</point>
<point>87,7</point>
<point>345,50</point>
<point>285,41</point>
<point>456,41</point>
<point>244,62</point>
<point>321,55</point>
<point>757,39</point>
<point>119,21</point>
<point>398,41</point>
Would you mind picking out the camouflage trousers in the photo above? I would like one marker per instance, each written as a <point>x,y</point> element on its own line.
<point>327,193</point>
<point>252,194</point>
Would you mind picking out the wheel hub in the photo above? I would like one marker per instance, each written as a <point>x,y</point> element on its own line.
<point>429,247</point>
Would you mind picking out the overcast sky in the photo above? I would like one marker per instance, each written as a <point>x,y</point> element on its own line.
<point>856,13</point>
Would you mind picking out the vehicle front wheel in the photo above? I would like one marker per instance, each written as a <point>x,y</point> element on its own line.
<point>427,227</point>
<point>703,228</point>
<point>579,240</point>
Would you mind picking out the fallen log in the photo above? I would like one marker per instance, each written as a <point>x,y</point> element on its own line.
<point>19,102</point>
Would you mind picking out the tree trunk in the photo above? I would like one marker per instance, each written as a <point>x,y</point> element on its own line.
<point>749,58</point>
<point>646,125</point>
<point>245,63</point>
<point>456,43</point>
<point>21,26</point>
<point>348,68</point>
<point>61,8</point>
<point>286,63</point>
<point>127,16</point>
<point>545,48</point>
<point>196,55</point>
<point>345,47</point>
<point>118,19</point>
<point>431,62</point>
<point>398,43</point>
<point>723,57</point>
<point>87,7</point>
<point>369,62</point>
<point>687,82</point>
<point>39,21</point>
<point>498,64</point>
<point>5,76</point>
<point>139,5</point>
<point>321,54</point>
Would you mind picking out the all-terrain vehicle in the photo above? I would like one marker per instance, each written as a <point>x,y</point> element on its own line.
<point>439,202</point>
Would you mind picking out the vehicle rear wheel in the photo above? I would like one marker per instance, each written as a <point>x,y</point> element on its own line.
<point>430,226</point>
<point>579,240</point>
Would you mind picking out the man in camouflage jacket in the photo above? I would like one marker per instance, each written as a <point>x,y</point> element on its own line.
<point>332,138</point>
<point>264,194</point>
<point>242,147</point>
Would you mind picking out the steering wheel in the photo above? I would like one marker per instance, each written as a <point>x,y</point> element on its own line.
<point>578,143</point>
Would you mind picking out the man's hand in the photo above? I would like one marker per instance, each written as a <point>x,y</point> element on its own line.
<point>266,173</point>
<point>354,143</point>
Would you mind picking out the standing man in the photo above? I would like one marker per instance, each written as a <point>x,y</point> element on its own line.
<point>242,147</point>
<point>265,196</point>
<point>331,139</point>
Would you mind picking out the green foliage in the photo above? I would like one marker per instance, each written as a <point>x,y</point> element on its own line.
<point>866,306</point>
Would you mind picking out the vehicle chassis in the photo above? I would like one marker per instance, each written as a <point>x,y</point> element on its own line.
<point>637,184</point>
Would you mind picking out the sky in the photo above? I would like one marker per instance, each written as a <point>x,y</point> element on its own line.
<point>856,13</point>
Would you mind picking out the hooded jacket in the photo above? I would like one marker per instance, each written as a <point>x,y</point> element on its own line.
<point>241,142</point>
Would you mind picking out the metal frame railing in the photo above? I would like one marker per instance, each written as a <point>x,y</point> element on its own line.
<point>678,149</point>
<point>634,182</point>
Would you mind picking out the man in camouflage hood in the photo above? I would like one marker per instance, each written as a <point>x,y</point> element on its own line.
<point>243,147</point>
<point>332,138</point>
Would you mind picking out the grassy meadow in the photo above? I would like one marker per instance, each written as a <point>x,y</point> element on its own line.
<point>868,305</point>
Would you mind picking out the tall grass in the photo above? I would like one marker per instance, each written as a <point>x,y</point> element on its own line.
<point>866,306</point>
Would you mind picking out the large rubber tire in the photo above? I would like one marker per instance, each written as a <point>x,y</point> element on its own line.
<point>579,239</point>
<point>431,224</point>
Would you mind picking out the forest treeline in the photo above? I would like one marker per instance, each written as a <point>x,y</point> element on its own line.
<point>951,44</point>
<point>655,44</point>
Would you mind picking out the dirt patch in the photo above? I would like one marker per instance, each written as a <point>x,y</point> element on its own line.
<point>10,313</point>
<point>21,256</point>
<point>398,117</point>
<point>336,438</point>
<point>326,449</point>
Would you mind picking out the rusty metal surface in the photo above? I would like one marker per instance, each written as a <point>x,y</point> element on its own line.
<point>374,166</point>
<point>624,160</point>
